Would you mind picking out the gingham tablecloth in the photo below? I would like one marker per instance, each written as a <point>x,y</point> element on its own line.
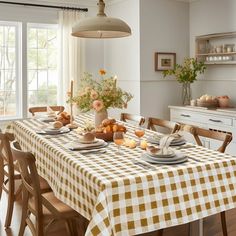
<point>120,198</point>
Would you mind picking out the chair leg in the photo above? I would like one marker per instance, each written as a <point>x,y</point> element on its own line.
<point>70,228</point>
<point>160,232</point>
<point>223,223</point>
<point>24,213</point>
<point>11,199</point>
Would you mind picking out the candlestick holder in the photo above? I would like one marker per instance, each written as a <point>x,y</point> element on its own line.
<point>72,124</point>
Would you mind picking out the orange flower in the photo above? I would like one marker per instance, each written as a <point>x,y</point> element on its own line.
<point>98,105</point>
<point>102,72</point>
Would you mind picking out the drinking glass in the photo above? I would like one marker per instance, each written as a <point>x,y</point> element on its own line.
<point>118,139</point>
<point>139,132</point>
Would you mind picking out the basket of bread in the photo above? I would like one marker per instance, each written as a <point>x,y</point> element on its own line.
<point>106,130</point>
<point>207,101</point>
<point>64,118</point>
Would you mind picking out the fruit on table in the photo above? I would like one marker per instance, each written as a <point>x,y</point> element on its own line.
<point>207,98</point>
<point>64,118</point>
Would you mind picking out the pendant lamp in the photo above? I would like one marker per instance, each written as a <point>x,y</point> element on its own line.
<point>101,26</point>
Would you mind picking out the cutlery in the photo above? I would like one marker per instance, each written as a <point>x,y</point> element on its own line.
<point>194,159</point>
<point>99,151</point>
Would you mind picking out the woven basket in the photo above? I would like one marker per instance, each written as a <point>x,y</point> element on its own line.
<point>105,136</point>
<point>208,104</point>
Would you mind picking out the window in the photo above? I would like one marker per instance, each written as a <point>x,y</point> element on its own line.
<point>9,70</point>
<point>42,65</point>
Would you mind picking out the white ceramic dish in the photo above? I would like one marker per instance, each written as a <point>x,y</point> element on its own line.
<point>81,140</point>
<point>165,161</point>
<point>162,153</point>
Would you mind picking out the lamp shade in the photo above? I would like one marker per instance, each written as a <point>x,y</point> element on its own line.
<point>101,26</point>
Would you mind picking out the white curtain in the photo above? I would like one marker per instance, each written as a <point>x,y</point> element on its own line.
<point>72,52</point>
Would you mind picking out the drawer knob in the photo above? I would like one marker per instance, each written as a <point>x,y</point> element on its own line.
<point>185,115</point>
<point>216,121</point>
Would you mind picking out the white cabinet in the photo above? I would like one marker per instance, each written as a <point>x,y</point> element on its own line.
<point>208,119</point>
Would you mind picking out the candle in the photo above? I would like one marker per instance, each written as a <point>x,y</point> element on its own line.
<point>71,88</point>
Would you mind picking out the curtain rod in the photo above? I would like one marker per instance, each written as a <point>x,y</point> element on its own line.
<point>46,6</point>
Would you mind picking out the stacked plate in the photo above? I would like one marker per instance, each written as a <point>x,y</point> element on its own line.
<point>53,131</point>
<point>47,118</point>
<point>167,157</point>
<point>177,141</point>
<point>81,144</point>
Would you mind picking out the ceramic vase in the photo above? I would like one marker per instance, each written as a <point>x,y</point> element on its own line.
<point>100,116</point>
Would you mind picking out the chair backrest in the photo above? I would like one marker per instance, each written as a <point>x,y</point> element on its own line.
<point>1,168</point>
<point>170,125</point>
<point>5,151</point>
<point>34,110</point>
<point>130,117</point>
<point>197,132</point>
<point>30,177</point>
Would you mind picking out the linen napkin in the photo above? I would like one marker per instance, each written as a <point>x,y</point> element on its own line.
<point>50,112</point>
<point>166,140</point>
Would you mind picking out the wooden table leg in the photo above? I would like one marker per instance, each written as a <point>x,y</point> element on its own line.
<point>196,228</point>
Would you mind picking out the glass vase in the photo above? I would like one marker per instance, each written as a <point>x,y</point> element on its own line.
<point>99,117</point>
<point>186,93</point>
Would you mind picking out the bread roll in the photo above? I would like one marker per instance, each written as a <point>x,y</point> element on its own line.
<point>57,125</point>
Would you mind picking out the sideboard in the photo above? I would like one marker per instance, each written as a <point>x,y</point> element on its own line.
<point>218,119</point>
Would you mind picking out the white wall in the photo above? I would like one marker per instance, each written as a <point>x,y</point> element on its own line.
<point>207,17</point>
<point>122,56</point>
<point>164,27</point>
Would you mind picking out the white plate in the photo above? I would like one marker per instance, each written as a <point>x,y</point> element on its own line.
<point>77,146</point>
<point>167,153</point>
<point>53,131</point>
<point>165,162</point>
<point>177,142</point>
<point>177,155</point>
<point>80,140</point>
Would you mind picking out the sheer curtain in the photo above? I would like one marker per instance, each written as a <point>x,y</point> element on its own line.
<point>72,54</point>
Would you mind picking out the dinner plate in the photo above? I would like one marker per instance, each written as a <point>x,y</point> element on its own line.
<point>75,146</point>
<point>177,155</point>
<point>165,161</point>
<point>175,142</point>
<point>81,140</point>
<point>166,153</point>
<point>62,130</point>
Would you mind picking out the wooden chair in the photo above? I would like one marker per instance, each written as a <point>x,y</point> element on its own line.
<point>10,174</point>
<point>41,205</point>
<point>136,118</point>
<point>1,169</point>
<point>34,110</point>
<point>225,137</point>
<point>172,126</point>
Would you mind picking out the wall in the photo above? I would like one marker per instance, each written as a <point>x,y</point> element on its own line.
<point>207,17</point>
<point>164,27</point>
<point>121,56</point>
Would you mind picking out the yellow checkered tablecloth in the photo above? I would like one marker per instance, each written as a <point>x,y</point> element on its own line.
<point>120,198</point>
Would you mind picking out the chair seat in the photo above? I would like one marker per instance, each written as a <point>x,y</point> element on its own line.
<point>52,207</point>
<point>44,186</point>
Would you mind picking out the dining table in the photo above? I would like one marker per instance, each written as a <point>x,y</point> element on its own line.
<point>122,194</point>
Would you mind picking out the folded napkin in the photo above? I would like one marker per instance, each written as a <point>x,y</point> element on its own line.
<point>82,146</point>
<point>166,140</point>
<point>50,111</point>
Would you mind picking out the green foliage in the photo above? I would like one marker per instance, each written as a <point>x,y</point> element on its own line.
<point>188,71</point>
<point>103,90</point>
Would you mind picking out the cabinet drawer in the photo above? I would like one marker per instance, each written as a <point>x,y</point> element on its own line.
<point>219,120</point>
<point>187,116</point>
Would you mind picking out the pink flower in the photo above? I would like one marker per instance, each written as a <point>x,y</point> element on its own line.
<point>98,105</point>
<point>94,94</point>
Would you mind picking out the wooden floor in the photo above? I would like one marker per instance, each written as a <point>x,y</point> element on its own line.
<point>211,224</point>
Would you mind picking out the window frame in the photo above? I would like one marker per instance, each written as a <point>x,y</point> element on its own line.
<point>18,69</point>
<point>42,26</point>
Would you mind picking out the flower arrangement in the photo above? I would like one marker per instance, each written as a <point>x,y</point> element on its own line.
<point>100,94</point>
<point>187,73</point>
